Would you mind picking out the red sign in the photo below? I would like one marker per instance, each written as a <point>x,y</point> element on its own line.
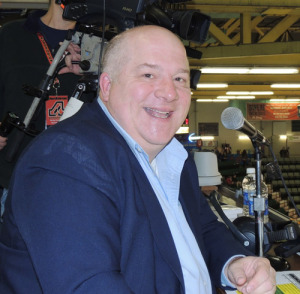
<point>55,107</point>
<point>273,111</point>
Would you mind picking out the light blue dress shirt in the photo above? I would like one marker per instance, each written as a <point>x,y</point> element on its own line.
<point>164,174</point>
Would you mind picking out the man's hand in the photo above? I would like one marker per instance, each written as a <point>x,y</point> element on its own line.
<point>252,275</point>
<point>3,142</point>
<point>74,55</point>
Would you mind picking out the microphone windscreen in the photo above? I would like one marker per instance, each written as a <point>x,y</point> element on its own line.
<point>232,118</point>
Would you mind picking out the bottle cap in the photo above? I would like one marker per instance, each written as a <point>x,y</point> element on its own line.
<point>250,170</point>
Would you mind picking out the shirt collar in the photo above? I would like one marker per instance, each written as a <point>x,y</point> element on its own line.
<point>174,147</point>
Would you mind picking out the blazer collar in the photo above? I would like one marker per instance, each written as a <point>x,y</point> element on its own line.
<point>157,220</point>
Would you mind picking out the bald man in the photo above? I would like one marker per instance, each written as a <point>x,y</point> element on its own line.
<point>108,200</point>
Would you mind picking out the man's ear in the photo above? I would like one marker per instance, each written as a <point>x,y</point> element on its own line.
<point>105,84</point>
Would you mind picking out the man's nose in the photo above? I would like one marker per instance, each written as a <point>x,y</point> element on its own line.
<point>166,90</point>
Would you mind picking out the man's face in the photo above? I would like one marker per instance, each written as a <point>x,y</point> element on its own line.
<point>151,97</point>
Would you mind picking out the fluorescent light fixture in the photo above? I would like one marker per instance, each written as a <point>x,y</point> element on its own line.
<point>183,130</point>
<point>248,70</point>
<point>224,70</point>
<point>286,100</point>
<point>274,71</point>
<point>282,137</point>
<point>204,100</point>
<point>288,85</point>
<point>250,93</point>
<point>212,85</point>
<point>226,97</point>
<point>212,100</point>
<point>220,100</point>
<point>195,138</point>
<point>236,97</point>
<point>245,97</point>
<point>243,137</point>
<point>262,93</point>
<point>202,138</point>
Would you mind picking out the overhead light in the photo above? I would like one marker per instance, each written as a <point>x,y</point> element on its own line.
<point>183,130</point>
<point>224,70</point>
<point>272,71</point>
<point>212,100</point>
<point>192,137</point>
<point>286,100</point>
<point>206,137</point>
<point>243,137</point>
<point>249,70</point>
<point>220,100</point>
<point>212,85</point>
<point>204,100</point>
<point>226,97</point>
<point>236,97</point>
<point>285,86</point>
<point>250,93</point>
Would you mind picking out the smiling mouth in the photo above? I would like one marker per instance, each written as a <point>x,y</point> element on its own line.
<point>157,113</point>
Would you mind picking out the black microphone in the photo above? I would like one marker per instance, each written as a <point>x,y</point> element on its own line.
<point>232,118</point>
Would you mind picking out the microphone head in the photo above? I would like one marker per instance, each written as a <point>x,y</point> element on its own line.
<point>232,118</point>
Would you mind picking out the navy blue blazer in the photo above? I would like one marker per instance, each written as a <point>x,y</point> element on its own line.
<point>82,217</point>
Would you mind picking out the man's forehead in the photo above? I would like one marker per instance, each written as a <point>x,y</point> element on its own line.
<point>158,67</point>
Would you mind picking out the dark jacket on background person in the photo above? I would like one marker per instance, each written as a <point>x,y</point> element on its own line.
<point>23,61</point>
<point>88,221</point>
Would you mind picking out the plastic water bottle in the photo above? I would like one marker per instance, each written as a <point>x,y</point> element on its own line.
<point>249,192</point>
<point>249,189</point>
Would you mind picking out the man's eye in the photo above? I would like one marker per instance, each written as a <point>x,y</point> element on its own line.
<point>180,79</point>
<point>148,75</point>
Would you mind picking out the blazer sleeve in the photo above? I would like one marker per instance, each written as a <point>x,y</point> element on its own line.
<point>69,223</point>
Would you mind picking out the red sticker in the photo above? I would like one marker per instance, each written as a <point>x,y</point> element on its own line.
<point>55,107</point>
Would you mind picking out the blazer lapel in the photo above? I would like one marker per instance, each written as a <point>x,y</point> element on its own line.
<point>158,223</point>
<point>157,220</point>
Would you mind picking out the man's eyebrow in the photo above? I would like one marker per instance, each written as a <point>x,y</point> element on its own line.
<point>183,70</point>
<point>149,65</point>
<point>155,66</point>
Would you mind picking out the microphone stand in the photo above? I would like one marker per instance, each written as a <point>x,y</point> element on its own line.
<point>259,202</point>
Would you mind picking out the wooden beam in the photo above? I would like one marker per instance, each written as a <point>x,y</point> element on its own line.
<point>228,24</point>
<point>246,28</point>
<point>263,49</point>
<point>258,19</point>
<point>281,11</point>
<point>279,29</point>
<point>233,27</point>
<point>219,35</point>
<point>270,3</point>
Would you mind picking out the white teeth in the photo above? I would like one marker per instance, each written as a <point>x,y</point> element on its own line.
<point>157,113</point>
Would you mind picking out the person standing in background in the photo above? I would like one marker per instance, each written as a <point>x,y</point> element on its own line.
<point>25,59</point>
